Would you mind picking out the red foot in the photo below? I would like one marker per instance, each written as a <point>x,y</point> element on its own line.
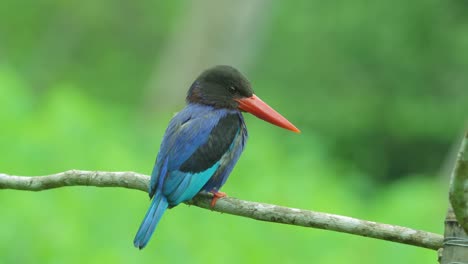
<point>216,196</point>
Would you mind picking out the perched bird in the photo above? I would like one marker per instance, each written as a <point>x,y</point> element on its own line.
<point>203,142</point>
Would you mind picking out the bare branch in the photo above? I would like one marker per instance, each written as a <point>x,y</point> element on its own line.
<point>254,210</point>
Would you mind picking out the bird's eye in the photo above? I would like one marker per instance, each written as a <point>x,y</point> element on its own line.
<point>232,89</point>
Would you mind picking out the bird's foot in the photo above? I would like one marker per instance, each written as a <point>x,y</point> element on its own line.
<point>216,196</point>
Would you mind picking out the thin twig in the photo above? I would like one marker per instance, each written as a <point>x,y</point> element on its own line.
<point>229,205</point>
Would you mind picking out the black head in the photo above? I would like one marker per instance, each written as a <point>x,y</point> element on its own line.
<point>219,87</point>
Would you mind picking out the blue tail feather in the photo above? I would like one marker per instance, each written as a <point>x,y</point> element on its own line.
<point>152,217</point>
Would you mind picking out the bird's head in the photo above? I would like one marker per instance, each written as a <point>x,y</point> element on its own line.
<point>225,87</point>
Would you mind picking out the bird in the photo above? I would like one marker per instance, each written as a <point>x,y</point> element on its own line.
<point>203,142</point>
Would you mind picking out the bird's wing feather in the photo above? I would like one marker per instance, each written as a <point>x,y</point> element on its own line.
<point>186,181</point>
<point>217,143</point>
<point>189,152</point>
<point>183,136</point>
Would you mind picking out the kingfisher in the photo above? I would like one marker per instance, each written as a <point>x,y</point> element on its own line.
<point>203,142</point>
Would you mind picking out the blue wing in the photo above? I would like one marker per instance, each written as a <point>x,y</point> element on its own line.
<point>183,136</point>
<point>193,150</point>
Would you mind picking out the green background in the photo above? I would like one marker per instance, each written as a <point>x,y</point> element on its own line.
<point>378,88</point>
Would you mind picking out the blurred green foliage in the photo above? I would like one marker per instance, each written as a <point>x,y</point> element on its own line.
<point>378,89</point>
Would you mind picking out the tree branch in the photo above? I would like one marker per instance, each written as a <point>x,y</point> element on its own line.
<point>254,210</point>
<point>459,185</point>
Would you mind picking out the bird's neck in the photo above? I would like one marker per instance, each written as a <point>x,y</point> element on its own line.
<point>194,106</point>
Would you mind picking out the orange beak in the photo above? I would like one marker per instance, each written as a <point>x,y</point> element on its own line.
<point>260,109</point>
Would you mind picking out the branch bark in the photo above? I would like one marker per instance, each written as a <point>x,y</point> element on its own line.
<point>229,205</point>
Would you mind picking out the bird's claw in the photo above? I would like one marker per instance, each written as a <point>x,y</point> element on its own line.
<point>216,196</point>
